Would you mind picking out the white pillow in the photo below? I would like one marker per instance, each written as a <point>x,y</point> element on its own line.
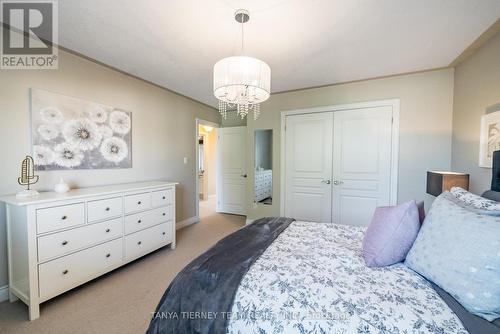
<point>474,200</point>
<point>457,249</point>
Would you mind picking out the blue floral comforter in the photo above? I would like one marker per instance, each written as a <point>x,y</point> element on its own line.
<point>312,279</point>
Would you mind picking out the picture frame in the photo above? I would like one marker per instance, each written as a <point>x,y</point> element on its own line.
<point>73,133</point>
<point>490,138</point>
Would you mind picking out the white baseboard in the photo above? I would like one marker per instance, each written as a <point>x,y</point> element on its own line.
<point>4,293</point>
<point>187,222</point>
<point>249,221</point>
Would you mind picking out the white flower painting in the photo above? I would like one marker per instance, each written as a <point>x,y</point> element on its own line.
<point>114,149</point>
<point>82,133</point>
<point>70,133</point>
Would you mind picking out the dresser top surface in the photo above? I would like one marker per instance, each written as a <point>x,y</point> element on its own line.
<point>49,196</point>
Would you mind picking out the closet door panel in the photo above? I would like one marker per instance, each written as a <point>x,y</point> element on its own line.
<point>308,167</point>
<point>361,164</point>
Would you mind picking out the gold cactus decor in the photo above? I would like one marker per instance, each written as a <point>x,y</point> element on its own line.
<point>27,177</point>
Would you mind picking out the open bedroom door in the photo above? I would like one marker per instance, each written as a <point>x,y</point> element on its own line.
<point>231,170</point>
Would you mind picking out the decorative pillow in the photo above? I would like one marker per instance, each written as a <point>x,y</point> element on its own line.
<point>459,250</point>
<point>474,200</point>
<point>492,195</point>
<point>391,234</point>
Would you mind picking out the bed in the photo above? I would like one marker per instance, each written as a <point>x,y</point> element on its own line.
<point>278,275</point>
<point>313,279</point>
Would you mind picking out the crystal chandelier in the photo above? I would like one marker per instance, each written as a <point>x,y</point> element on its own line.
<point>240,82</point>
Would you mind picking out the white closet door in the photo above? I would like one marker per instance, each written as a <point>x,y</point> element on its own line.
<point>308,159</point>
<point>231,170</point>
<point>362,163</point>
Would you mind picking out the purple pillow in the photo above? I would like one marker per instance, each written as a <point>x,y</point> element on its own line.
<point>391,234</point>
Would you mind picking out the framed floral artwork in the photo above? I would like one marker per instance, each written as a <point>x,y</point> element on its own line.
<point>71,133</point>
<point>490,138</point>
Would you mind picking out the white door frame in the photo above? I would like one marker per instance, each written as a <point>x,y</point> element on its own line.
<point>394,103</point>
<point>199,121</point>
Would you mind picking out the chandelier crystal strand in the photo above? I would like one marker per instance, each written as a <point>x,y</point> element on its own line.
<point>256,111</point>
<point>245,110</point>
<point>221,107</point>
<point>241,82</point>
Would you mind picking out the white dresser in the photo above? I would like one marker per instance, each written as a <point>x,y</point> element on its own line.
<point>263,184</point>
<point>59,241</point>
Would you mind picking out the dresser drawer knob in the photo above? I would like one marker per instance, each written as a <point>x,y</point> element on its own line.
<point>108,208</point>
<point>139,203</point>
<point>64,243</point>
<point>108,255</point>
<point>163,197</point>
<point>139,221</point>
<point>139,242</point>
<point>108,230</point>
<point>164,214</point>
<point>64,217</point>
<point>65,271</point>
<point>163,233</point>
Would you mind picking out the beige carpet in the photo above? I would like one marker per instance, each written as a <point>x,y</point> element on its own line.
<point>122,301</point>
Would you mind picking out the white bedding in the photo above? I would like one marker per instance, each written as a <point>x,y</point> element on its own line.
<point>312,279</point>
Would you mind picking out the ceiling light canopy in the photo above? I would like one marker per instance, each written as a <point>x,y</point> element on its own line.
<point>241,82</point>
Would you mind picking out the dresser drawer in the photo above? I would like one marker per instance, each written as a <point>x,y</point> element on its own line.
<point>145,241</point>
<point>61,243</point>
<point>69,271</point>
<point>138,221</point>
<point>104,209</point>
<point>56,218</point>
<point>162,197</point>
<point>139,202</point>
<point>142,220</point>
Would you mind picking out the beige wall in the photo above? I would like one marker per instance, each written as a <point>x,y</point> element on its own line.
<point>233,119</point>
<point>163,130</point>
<point>477,86</point>
<point>425,129</point>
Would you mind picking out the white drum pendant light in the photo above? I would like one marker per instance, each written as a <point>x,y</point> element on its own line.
<point>241,82</point>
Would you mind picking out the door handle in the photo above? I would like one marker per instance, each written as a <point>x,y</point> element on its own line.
<point>337,182</point>
<point>244,175</point>
<point>326,181</point>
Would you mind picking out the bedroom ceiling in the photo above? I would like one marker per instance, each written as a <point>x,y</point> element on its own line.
<point>307,43</point>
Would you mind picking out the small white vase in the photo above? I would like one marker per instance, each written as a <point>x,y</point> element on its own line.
<point>61,187</point>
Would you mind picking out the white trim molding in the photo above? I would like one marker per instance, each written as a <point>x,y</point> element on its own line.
<point>187,222</point>
<point>4,293</point>
<point>394,103</point>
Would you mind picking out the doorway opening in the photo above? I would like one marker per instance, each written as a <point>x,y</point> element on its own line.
<point>206,140</point>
